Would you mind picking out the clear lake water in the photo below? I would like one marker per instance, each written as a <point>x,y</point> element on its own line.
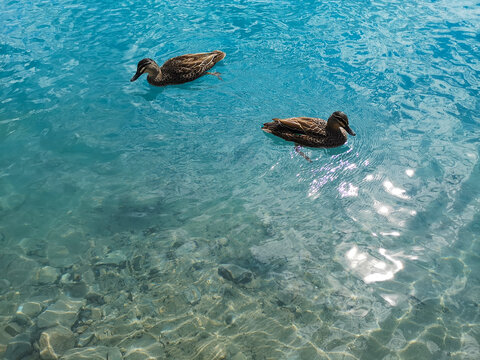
<point>172,227</point>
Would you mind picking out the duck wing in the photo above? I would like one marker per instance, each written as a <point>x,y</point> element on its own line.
<point>191,63</point>
<point>303,125</point>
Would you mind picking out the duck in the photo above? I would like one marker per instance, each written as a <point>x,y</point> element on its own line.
<point>180,69</point>
<point>312,132</point>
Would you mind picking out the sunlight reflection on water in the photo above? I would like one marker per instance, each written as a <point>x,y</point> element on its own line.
<point>370,268</point>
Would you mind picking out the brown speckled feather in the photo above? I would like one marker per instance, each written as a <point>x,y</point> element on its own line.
<point>304,125</point>
<point>188,67</point>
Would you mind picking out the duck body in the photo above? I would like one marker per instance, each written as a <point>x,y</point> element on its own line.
<point>178,70</point>
<point>312,132</point>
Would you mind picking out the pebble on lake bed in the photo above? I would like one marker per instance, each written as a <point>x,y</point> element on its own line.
<point>47,275</point>
<point>235,273</point>
<point>54,342</point>
<point>30,309</point>
<point>63,312</point>
<point>18,347</point>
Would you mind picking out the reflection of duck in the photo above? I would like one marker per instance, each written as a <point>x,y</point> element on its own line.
<point>312,132</point>
<point>180,69</point>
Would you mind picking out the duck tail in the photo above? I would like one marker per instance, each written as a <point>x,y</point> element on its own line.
<point>268,127</point>
<point>220,55</point>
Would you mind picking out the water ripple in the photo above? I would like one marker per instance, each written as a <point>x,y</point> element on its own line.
<point>382,230</point>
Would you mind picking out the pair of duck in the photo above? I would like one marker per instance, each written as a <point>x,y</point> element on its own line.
<point>306,131</point>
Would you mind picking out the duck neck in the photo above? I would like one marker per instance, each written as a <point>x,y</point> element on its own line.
<point>154,76</point>
<point>331,128</point>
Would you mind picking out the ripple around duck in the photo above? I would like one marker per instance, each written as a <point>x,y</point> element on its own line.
<point>368,251</point>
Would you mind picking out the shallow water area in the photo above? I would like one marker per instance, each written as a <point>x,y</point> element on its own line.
<point>154,223</point>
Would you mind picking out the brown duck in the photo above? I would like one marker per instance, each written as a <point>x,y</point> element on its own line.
<point>312,132</point>
<point>180,69</point>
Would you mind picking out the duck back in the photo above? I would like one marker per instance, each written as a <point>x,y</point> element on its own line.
<point>185,68</point>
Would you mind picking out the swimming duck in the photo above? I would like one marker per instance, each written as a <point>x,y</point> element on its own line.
<point>312,132</point>
<point>180,69</point>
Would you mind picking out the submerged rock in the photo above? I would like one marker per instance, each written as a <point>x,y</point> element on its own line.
<point>13,329</point>
<point>47,275</point>
<point>95,298</point>
<point>285,297</point>
<point>235,273</point>
<point>192,295</point>
<point>138,354</point>
<point>229,318</point>
<point>30,309</point>
<point>18,347</point>
<point>19,323</point>
<point>73,287</point>
<point>59,256</point>
<point>54,342</point>
<point>115,258</point>
<point>34,248</point>
<point>85,338</point>
<point>63,312</point>
<point>186,249</point>
<point>137,264</point>
<point>239,356</point>
<point>76,289</point>
<point>17,269</point>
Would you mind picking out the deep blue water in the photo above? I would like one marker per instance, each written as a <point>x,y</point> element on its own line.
<point>374,244</point>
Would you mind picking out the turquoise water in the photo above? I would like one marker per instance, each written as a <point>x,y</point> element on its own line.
<point>124,201</point>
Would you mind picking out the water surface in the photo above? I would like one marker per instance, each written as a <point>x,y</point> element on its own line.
<point>368,252</point>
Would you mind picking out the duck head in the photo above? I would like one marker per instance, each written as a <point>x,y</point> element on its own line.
<point>146,66</point>
<point>337,120</point>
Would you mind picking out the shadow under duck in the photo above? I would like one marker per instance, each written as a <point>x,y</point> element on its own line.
<point>312,132</point>
<point>180,69</point>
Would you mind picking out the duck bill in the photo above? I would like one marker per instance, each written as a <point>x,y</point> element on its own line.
<point>350,131</point>
<point>136,76</point>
